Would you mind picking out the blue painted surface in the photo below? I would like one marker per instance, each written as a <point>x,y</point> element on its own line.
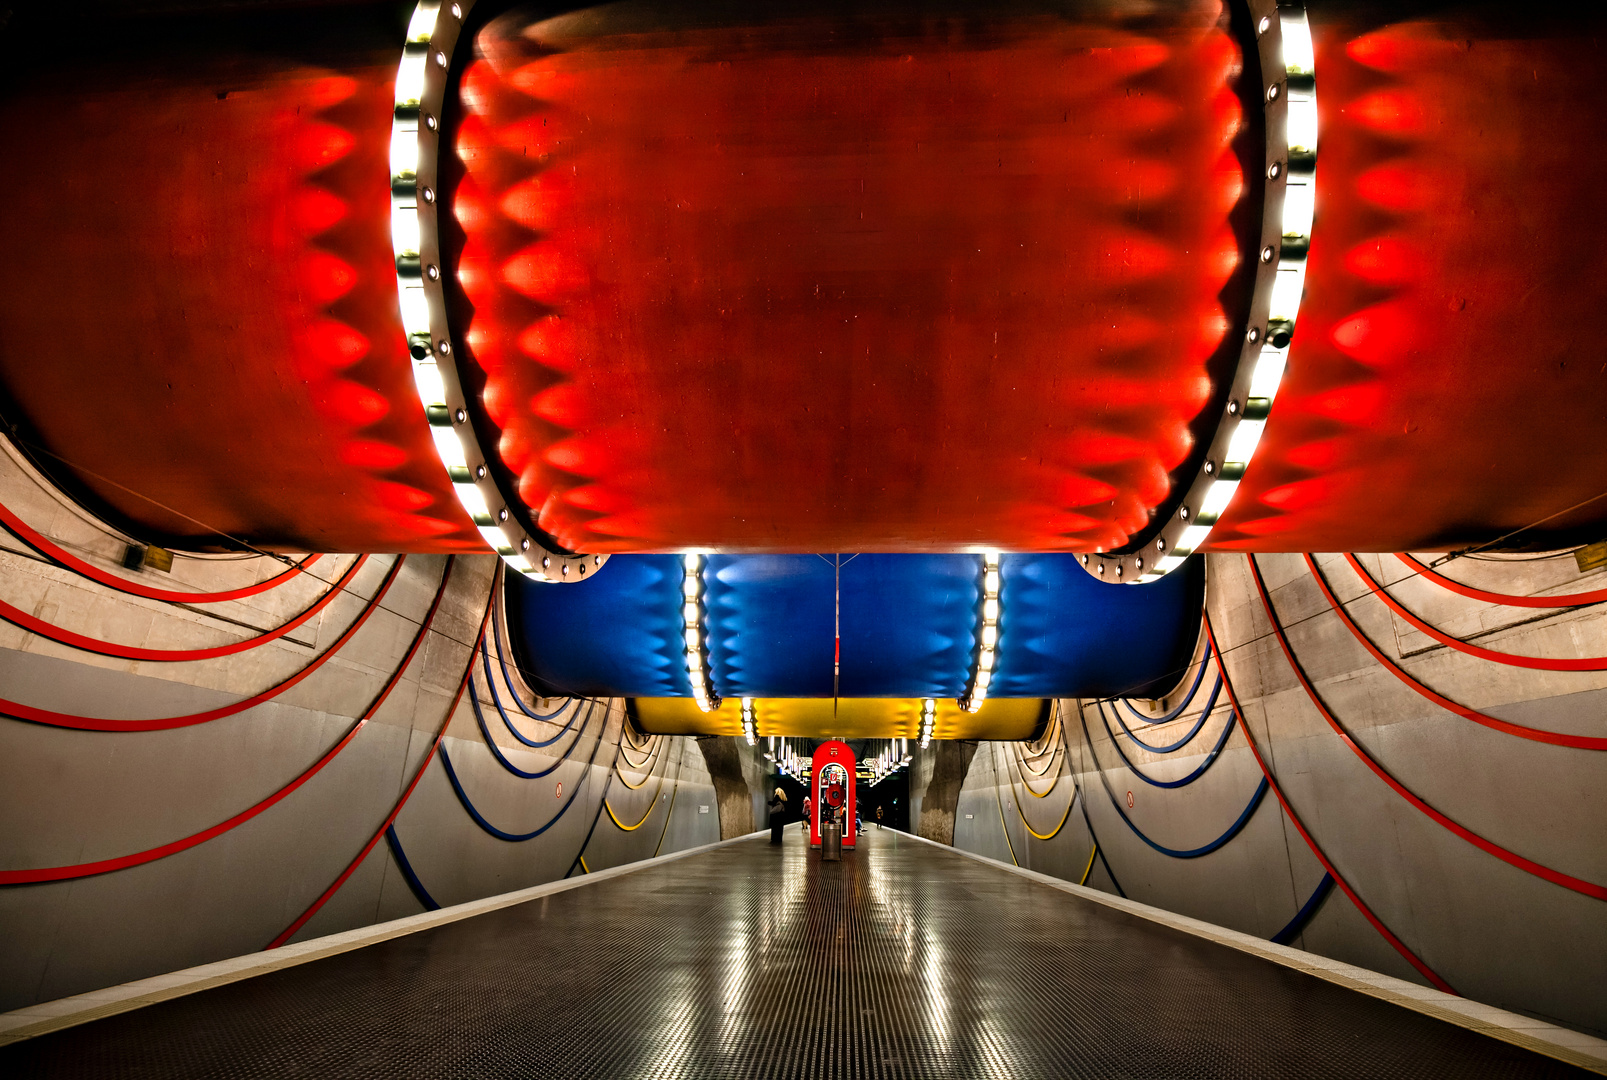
<point>1064,634</point>
<point>770,624</point>
<point>909,625</point>
<point>617,634</point>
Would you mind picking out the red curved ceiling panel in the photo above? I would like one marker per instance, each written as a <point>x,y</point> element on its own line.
<point>198,312</point>
<point>828,283</point>
<point>1446,384</point>
<point>846,284</point>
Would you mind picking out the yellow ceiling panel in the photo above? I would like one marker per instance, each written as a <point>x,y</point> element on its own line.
<point>681,716</point>
<point>1002,719</point>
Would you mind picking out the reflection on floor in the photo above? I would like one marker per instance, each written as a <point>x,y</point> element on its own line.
<point>903,960</point>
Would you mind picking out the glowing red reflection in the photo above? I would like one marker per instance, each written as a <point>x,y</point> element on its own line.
<point>200,308</point>
<point>1441,389</point>
<point>822,286</point>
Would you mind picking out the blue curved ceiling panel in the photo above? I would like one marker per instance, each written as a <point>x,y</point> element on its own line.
<point>909,626</point>
<point>1063,633</point>
<point>770,624</point>
<point>617,634</point>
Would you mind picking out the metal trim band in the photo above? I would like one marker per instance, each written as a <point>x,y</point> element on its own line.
<point>422,79</point>
<point>1289,114</point>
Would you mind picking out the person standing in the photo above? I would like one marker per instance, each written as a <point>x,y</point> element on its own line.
<point>808,824</point>
<point>778,808</point>
<point>878,815</point>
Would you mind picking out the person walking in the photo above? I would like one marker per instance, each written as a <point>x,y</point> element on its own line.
<point>878,815</point>
<point>778,808</point>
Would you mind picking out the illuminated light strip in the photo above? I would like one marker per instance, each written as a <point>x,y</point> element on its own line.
<point>987,636</point>
<point>1289,111</point>
<point>747,722</point>
<point>421,85</point>
<point>696,638</point>
<point>928,721</point>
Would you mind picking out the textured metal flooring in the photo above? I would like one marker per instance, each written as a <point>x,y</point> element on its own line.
<point>903,960</point>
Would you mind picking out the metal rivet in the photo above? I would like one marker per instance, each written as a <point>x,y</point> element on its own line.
<point>1183,513</point>
<point>1085,560</point>
<point>440,59</point>
<point>1233,408</point>
<point>1138,564</point>
<point>432,272</point>
<point>444,347</point>
<point>502,515</point>
<point>1119,569</point>
<point>1274,170</point>
<point>546,561</point>
<point>1253,334</point>
<point>565,570</point>
<point>479,472</point>
<point>524,545</point>
<point>1268,253</point>
<point>582,569</point>
<point>429,121</point>
<point>1210,468</point>
<point>1160,545</point>
<point>429,195</point>
<point>597,560</point>
<point>457,12</point>
<point>1101,569</point>
<point>1272,92</point>
<point>1264,25</point>
<point>460,416</point>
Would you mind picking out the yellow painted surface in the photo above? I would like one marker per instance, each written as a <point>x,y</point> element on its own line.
<point>851,718</point>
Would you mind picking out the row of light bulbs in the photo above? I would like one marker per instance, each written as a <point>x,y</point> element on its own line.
<point>1298,172</point>
<point>422,77</point>
<point>987,636</point>
<point>697,653</point>
<point>893,758</point>
<point>786,761</point>
<point>928,720</point>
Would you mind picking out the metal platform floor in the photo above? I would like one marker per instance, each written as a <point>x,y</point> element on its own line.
<point>904,960</point>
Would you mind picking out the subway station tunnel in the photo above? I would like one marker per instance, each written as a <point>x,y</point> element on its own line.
<point>472,470</point>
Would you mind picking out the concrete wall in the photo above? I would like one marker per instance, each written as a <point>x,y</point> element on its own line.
<point>1491,930</point>
<point>936,775</point>
<point>739,784</point>
<point>69,797</point>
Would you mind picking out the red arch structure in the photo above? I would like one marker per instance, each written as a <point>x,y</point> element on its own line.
<point>830,756</point>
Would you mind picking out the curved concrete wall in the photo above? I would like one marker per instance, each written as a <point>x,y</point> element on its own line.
<point>1493,931</point>
<point>70,797</point>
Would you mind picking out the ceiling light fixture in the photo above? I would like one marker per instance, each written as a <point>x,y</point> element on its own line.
<point>987,636</point>
<point>421,90</point>
<point>696,642</point>
<point>1289,115</point>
